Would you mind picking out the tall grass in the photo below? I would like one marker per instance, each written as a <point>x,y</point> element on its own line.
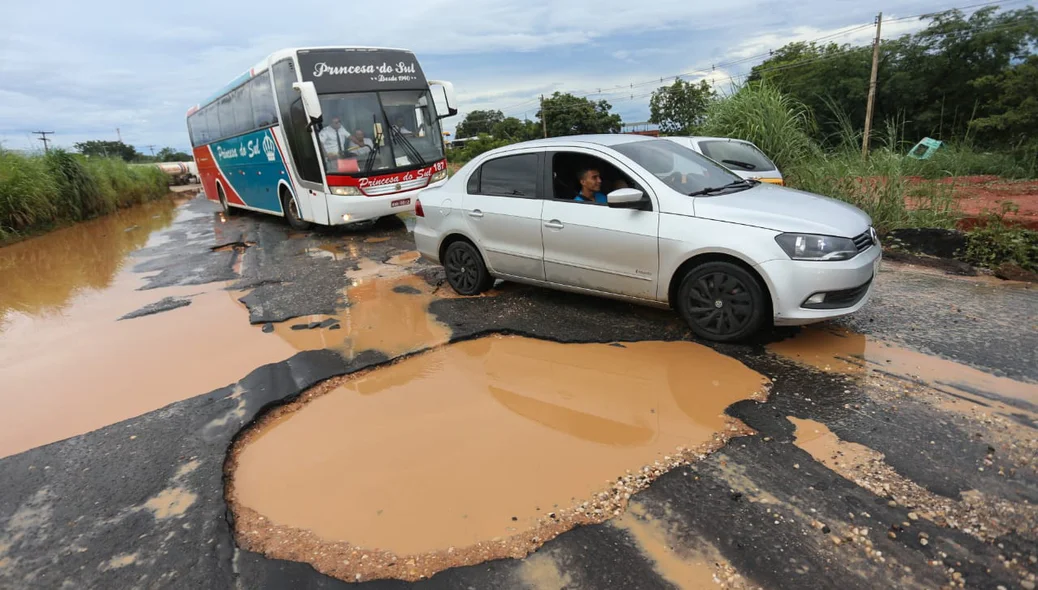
<point>776,123</point>
<point>38,191</point>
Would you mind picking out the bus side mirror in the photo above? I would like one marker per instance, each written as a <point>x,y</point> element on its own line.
<point>448,96</point>
<point>311,103</point>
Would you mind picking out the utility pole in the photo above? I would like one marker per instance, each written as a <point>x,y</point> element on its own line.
<point>119,135</point>
<point>43,137</point>
<point>872,90</point>
<point>152,149</point>
<point>544,118</point>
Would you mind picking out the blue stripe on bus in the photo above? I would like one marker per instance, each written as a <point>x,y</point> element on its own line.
<point>252,164</point>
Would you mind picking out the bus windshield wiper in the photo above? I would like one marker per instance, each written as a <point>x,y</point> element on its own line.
<point>407,145</point>
<point>379,139</point>
<point>716,189</point>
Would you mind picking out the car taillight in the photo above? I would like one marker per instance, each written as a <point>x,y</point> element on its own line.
<point>418,208</point>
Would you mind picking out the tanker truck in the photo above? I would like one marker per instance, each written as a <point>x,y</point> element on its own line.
<point>179,172</point>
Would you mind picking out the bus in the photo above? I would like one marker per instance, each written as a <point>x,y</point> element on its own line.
<point>323,135</point>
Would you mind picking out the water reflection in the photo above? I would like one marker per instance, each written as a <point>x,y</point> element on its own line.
<point>41,275</point>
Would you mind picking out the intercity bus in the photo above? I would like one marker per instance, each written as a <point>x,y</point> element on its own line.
<point>324,135</point>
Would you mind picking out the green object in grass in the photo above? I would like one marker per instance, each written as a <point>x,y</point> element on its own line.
<point>924,149</point>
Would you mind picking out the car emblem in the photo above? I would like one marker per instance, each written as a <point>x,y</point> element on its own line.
<point>398,186</point>
<point>718,304</point>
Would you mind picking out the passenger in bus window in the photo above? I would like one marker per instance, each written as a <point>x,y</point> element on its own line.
<point>359,145</point>
<point>335,139</point>
<point>398,124</point>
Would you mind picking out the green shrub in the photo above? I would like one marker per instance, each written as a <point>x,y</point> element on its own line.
<point>780,126</point>
<point>998,241</point>
<point>38,190</point>
<point>80,194</point>
<point>28,193</point>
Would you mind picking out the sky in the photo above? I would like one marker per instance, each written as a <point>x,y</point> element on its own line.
<point>85,69</point>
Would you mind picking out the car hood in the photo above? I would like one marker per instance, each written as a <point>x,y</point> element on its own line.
<point>785,210</point>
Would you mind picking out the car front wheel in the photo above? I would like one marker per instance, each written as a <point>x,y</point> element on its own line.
<point>721,302</point>
<point>466,272</point>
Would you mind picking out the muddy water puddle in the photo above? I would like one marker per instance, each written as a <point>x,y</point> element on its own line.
<point>387,310</point>
<point>838,350</point>
<point>475,450</point>
<point>68,365</point>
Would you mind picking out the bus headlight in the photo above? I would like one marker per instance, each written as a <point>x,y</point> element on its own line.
<point>346,191</point>
<point>441,175</point>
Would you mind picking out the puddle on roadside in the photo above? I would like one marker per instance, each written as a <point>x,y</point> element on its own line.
<point>842,351</point>
<point>69,366</point>
<point>702,568</point>
<point>42,275</point>
<point>822,444</point>
<point>479,449</point>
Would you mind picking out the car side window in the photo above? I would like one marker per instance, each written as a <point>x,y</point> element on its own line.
<point>507,176</point>
<point>473,185</point>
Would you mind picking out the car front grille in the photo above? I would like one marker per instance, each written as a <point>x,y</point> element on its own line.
<point>864,241</point>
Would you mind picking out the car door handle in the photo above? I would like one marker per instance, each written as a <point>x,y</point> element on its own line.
<point>554,224</point>
<point>475,213</point>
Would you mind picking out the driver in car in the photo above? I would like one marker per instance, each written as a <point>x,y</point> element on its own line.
<point>590,187</point>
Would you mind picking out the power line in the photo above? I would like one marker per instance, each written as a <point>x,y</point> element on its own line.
<point>43,137</point>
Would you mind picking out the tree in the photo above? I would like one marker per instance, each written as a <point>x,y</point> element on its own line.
<point>566,114</point>
<point>168,154</point>
<point>934,82</point>
<point>107,149</point>
<point>477,122</point>
<point>514,129</point>
<point>1017,105</point>
<point>679,108</point>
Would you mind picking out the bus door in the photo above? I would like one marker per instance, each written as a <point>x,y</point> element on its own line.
<point>301,145</point>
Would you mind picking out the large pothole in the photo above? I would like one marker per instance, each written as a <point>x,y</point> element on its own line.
<point>476,450</point>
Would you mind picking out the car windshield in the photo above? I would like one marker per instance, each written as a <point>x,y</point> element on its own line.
<point>379,132</point>
<point>681,168</point>
<point>737,155</point>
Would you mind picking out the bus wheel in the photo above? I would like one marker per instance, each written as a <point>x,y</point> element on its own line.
<point>223,200</point>
<point>291,208</point>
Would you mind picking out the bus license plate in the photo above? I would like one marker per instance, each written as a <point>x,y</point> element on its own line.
<point>400,203</point>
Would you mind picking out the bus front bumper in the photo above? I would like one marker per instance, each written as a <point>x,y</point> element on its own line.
<point>343,210</point>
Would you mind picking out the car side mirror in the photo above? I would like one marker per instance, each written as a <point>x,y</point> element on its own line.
<point>311,102</point>
<point>625,198</point>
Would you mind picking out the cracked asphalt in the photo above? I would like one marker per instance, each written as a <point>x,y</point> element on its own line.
<point>141,503</point>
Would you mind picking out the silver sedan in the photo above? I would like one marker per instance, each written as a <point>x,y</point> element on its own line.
<point>649,221</point>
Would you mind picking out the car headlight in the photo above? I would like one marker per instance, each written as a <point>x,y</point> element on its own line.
<point>441,175</point>
<point>812,247</point>
<point>346,191</point>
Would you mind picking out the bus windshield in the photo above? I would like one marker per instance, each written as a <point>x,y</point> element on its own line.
<point>379,132</point>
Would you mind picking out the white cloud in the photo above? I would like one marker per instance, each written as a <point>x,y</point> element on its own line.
<point>139,67</point>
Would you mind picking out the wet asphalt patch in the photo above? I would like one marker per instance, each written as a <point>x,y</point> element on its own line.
<point>141,502</point>
<point>164,304</point>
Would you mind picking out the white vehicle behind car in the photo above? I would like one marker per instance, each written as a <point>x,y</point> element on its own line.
<point>675,229</point>
<point>738,155</point>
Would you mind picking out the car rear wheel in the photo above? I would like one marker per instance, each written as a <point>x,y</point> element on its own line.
<point>721,301</point>
<point>466,272</point>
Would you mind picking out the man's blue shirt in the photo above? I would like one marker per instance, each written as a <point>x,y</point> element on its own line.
<point>599,198</point>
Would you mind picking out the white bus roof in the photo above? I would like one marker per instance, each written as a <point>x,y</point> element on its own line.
<point>276,56</point>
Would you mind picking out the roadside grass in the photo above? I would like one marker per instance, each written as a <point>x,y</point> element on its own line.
<point>999,241</point>
<point>40,191</point>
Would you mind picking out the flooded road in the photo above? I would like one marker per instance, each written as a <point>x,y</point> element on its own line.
<point>187,367</point>
<point>478,441</point>
<point>68,364</point>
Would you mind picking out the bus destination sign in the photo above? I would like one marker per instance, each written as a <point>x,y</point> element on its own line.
<point>361,70</point>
